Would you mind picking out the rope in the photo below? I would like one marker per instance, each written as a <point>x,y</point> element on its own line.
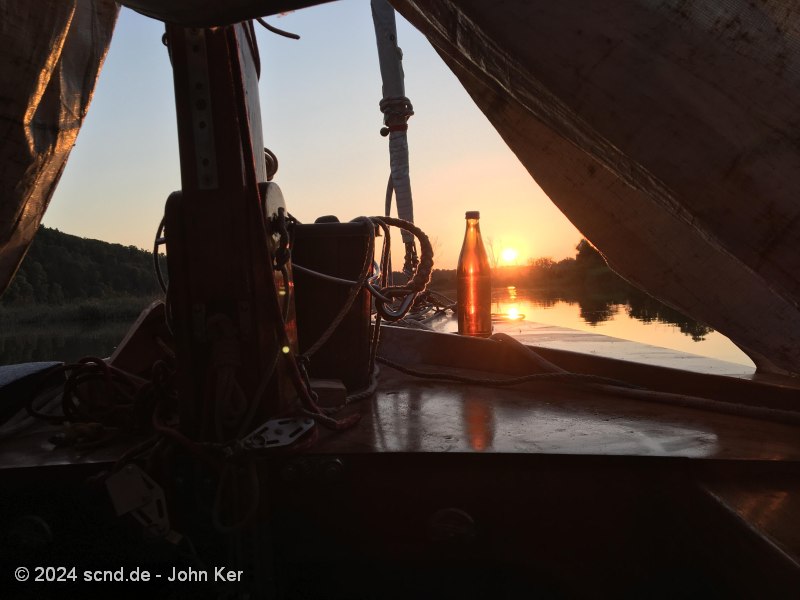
<point>538,360</point>
<point>419,281</point>
<point>275,30</point>
<point>121,405</point>
<point>422,276</point>
<point>396,112</point>
<point>615,387</point>
<point>159,241</point>
<point>501,381</point>
<point>323,276</point>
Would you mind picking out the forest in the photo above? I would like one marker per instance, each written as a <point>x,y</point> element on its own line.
<point>78,279</point>
<point>61,268</point>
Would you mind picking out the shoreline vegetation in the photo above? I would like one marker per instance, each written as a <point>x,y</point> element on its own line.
<point>66,279</point>
<point>115,309</point>
<point>585,280</point>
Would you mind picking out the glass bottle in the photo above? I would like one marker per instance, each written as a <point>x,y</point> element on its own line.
<point>474,282</point>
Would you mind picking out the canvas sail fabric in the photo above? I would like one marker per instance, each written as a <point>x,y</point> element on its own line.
<point>668,132</point>
<point>51,54</point>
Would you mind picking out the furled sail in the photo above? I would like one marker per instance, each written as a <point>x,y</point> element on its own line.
<point>51,54</point>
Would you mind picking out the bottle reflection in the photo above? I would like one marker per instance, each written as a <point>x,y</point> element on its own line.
<point>478,423</point>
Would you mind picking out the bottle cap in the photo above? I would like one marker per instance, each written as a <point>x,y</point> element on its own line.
<point>473,214</point>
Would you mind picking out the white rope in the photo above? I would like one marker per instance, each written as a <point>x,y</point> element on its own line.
<point>396,109</point>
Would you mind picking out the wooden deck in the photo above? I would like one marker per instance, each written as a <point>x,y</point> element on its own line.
<point>590,474</point>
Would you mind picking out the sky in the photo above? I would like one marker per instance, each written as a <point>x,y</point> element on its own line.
<point>320,115</point>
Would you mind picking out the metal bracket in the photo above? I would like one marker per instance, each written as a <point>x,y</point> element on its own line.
<point>200,98</point>
<point>132,491</point>
<point>277,432</point>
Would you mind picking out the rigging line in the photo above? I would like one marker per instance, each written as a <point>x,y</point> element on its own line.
<point>324,276</point>
<point>612,387</point>
<point>369,284</point>
<point>159,240</point>
<point>275,30</point>
<point>581,378</point>
<point>397,110</point>
<point>422,277</point>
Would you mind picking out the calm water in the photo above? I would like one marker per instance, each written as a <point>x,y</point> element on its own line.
<point>64,342</point>
<point>641,320</point>
<point>634,316</point>
<point>638,319</point>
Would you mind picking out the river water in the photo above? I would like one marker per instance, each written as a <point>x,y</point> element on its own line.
<point>638,319</point>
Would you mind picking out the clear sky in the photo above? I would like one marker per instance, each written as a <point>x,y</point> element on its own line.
<point>320,116</point>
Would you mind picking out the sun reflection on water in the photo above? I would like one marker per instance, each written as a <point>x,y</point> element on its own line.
<point>507,309</point>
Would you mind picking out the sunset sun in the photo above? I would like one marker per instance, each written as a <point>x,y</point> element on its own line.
<point>509,255</point>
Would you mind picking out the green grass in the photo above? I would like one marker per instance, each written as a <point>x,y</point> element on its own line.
<point>94,310</point>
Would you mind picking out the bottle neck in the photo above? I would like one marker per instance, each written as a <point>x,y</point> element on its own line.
<point>473,259</point>
<point>473,231</point>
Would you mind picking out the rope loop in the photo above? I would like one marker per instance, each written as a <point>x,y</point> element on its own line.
<point>396,112</point>
<point>408,296</point>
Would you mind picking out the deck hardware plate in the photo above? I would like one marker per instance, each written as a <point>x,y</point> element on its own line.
<point>277,432</point>
<point>134,492</point>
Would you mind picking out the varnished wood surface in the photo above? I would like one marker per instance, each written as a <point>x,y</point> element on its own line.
<point>729,483</point>
<point>769,505</point>
<point>408,415</point>
<point>411,415</point>
<point>34,449</point>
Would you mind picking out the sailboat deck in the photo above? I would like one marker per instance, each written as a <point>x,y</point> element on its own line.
<point>412,415</point>
<point>408,415</point>
<point>562,457</point>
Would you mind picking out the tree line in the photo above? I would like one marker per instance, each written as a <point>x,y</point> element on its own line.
<point>60,269</point>
<point>585,280</point>
<point>588,269</point>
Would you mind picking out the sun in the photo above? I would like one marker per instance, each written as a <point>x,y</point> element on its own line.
<point>509,255</point>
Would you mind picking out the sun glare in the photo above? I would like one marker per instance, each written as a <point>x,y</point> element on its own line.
<point>509,255</point>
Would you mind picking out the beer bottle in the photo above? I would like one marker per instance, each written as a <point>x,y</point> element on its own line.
<point>474,282</point>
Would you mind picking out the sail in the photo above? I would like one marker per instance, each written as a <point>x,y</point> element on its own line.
<point>668,132</point>
<point>52,53</point>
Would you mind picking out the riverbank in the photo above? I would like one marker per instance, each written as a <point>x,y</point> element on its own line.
<point>91,310</point>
